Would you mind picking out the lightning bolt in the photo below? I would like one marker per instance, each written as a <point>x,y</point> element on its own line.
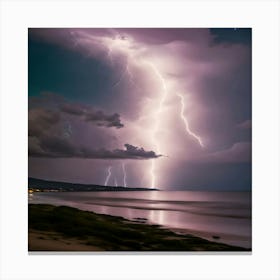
<point>123,74</point>
<point>109,54</point>
<point>108,176</point>
<point>157,119</point>
<point>185,121</point>
<point>126,45</point>
<point>124,175</point>
<point>116,182</point>
<point>126,72</point>
<point>130,75</point>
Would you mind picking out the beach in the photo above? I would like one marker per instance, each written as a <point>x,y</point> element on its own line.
<point>54,241</point>
<point>225,215</point>
<point>62,228</point>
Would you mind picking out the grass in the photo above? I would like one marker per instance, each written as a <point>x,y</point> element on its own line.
<point>115,233</point>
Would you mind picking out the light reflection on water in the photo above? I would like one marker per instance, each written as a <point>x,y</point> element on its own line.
<point>213,212</point>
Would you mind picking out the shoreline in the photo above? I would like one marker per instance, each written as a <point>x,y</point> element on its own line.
<point>141,206</point>
<point>225,238</point>
<point>62,228</point>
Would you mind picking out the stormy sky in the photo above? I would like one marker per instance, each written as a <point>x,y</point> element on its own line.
<point>165,108</point>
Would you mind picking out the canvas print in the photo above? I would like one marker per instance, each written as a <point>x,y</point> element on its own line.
<point>139,139</point>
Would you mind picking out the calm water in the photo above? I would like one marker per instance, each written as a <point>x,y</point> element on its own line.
<point>227,214</point>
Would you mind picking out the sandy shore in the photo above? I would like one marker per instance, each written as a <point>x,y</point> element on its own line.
<point>54,241</point>
<point>62,228</point>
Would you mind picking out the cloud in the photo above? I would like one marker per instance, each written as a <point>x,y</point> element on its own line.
<point>34,147</point>
<point>130,152</point>
<point>139,152</point>
<point>102,119</point>
<point>45,142</point>
<point>90,115</point>
<point>72,109</point>
<point>41,120</point>
<point>46,99</point>
<point>58,147</point>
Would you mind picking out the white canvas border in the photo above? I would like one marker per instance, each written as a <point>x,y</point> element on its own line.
<point>17,16</point>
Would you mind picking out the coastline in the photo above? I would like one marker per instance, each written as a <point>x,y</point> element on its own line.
<point>62,228</point>
<point>218,218</point>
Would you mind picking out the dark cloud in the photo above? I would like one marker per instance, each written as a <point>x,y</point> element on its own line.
<point>130,152</point>
<point>34,147</point>
<point>102,119</point>
<point>41,120</point>
<point>139,152</point>
<point>46,99</point>
<point>72,109</point>
<point>90,115</point>
<point>43,141</point>
<point>58,147</point>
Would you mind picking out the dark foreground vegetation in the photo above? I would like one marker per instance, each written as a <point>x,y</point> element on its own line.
<point>110,233</point>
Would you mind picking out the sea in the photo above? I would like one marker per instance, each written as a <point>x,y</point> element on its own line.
<point>223,217</point>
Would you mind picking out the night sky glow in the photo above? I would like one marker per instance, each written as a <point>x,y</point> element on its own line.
<point>164,108</point>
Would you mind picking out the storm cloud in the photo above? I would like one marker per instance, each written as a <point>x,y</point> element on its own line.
<point>102,119</point>
<point>40,120</point>
<point>45,141</point>
<point>161,86</point>
<point>59,147</point>
<point>98,117</point>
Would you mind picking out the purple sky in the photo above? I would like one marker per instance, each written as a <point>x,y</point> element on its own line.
<point>169,107</point>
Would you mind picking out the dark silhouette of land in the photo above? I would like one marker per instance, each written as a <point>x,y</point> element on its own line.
<point>44,185</point>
